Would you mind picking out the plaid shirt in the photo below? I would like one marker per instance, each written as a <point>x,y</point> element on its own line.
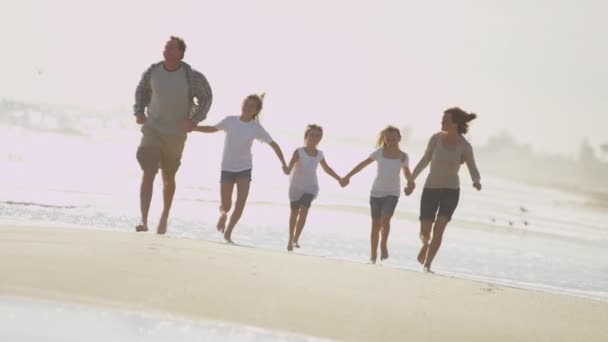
<point>198,88</point>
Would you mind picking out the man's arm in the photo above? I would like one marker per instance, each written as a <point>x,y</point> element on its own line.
<point>202,93</point>
<point>143,94</point>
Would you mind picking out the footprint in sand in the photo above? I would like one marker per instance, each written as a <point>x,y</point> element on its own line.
<point>490,288</point>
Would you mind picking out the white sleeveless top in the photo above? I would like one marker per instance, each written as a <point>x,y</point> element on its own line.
<point>303,178</point>
<point>388,178</point>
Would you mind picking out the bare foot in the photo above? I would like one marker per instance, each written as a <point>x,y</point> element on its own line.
<point>290,247</point>
<point>422,255</point>
<point>427,269</point>
<point>383,253</point>
<point>228,239</point>
<point>141,228</point>
<point>372,261</point>
<point>295,244</point>
<point>221,223</point>
<point>162,227</point>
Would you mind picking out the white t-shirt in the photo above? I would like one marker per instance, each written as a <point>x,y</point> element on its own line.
<point>237,144</point>
<point>388,178</point>
<point>169,104</point>
<point>303,179</point>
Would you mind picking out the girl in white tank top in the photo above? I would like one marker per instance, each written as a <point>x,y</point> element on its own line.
<point>303,182</point>
<point>303,179</point>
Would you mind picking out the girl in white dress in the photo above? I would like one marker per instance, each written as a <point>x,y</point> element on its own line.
<point>386,188</point>
<point>303,182</point>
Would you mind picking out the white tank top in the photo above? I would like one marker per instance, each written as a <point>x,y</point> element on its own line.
<point>303,179</point>
<point>388,178</point>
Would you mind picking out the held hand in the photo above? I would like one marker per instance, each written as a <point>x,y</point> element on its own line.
<point>344,182</point>
<point>188,125</point>
<point>140,118</point>
<point>409,189</point>
<point>477,186</point>
<point>286,169</point>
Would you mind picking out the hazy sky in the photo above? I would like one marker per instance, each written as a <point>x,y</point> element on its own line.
<point>535,68</point>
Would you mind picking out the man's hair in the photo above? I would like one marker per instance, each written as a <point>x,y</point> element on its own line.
<point>181,44</point>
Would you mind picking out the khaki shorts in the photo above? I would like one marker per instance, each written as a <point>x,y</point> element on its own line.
<point>160,150</point>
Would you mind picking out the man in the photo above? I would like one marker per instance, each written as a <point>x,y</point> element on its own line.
<point>170,100</point>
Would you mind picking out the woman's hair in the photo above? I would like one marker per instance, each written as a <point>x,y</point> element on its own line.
<point>312,127</point>
<point>461,118</point>
<point>259,99</point>
<point>387,129</point>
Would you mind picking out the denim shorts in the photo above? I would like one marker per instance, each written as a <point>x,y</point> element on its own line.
<point>232,177</point>
<point>304,201</point>
<point>438,203</point>
<point>383,205</point>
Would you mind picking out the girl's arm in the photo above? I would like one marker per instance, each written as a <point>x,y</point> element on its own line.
<point>329,170</point>
<point>279,153</point>
<point>405,165</point>
<point>358,168</point>
<point>410,185</point>
<point>294,159</point>
<point>205,129</point>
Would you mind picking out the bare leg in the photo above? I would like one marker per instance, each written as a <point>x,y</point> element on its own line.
<point>145,197</point>
<point>385,222</point>
<point>226,203</point>
<point>425,237</point>
<point>374,237</point>
<point>300,225</point>
<point>242,191</point>
<point>293,218</point>
<point>168,192</point>
<point>438,230</point>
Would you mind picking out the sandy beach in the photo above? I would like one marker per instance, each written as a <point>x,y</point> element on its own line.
<point>278,291</point>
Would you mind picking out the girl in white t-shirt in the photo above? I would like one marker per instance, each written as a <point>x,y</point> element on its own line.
<point>237,160</point>
<point>386,188</point>
<point>303,182</point>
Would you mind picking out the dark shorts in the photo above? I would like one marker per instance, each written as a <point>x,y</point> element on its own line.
<point>304,201</point>
<point>438,203</point>
<point>232,177</point>
<point>383,205</point>
<point>160,150</point>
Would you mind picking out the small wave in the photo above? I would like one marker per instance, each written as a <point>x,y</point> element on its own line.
<point>42,205</point>
<point>518,284</point>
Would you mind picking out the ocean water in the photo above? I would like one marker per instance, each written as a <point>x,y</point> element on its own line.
<point>510,233</point>
<point>29,320</point>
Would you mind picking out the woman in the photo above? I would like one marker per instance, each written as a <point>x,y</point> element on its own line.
<point>445,152</point>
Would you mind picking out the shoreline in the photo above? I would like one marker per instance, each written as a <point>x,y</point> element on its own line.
<point>273,290</point>
<point>508,283</point>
